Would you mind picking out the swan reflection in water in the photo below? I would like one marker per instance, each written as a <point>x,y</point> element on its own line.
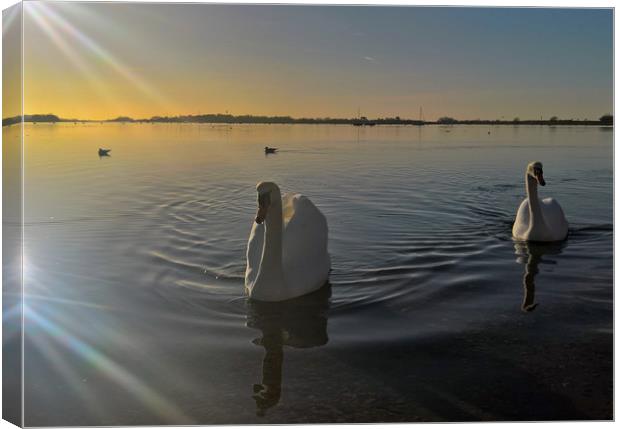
<point>299,322</point>
<point>531,255</point>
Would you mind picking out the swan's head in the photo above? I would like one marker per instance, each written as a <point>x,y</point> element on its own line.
<point>535,170</point>
<point>267,192</point>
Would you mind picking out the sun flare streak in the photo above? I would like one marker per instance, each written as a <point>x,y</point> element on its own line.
<point>70,376</point>
<point>8,17</point>
<point>87,71</point>
<point>115,372</point>
<point>54,24</point>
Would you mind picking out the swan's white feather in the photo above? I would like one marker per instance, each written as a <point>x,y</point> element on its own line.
<point>522,221</point>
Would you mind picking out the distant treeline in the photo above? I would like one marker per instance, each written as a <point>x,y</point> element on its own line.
<point>554,120</point>
<point>221,119</point>
<point>31,118</point>
<point>251,119</point>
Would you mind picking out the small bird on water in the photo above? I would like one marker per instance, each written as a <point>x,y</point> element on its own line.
<point>104,152</point>
<point>270,149</point>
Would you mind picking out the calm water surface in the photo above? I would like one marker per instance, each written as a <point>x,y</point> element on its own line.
<point>135,264</point>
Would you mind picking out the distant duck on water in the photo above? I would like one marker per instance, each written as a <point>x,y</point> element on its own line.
<point>270,149</point>
<point>104,152</point>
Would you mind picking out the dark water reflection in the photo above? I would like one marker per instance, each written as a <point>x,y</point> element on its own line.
<point>531,255</point>
<point>299,323</point>
<point>135,263</point>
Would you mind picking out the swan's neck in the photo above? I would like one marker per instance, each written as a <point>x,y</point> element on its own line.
<point>536,217</point>
<point>270,273</point>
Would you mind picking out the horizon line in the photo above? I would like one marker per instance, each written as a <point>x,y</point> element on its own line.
<point>294,118</point>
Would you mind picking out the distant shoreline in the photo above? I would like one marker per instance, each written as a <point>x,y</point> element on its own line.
<point>606,120</point>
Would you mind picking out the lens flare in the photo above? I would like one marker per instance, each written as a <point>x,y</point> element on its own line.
<point>107,367</point>
<point>8,17</point>
<point>87,72</point>
<point>64,35</point>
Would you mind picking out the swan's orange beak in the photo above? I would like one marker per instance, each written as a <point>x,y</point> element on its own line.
<point>540,178</point>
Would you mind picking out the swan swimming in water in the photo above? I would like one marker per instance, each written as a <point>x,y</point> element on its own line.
<point>287,253</point>
<point>538,219</point>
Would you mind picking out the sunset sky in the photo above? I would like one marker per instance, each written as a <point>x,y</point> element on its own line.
<point>100,61</point>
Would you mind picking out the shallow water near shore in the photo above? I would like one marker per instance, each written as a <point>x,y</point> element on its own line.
<point>135,311</point>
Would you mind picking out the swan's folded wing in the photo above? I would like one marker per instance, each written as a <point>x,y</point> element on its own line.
<point>555,217</point>
<point>254,253</point>
<point>553,211</point>
<point>306,260</point>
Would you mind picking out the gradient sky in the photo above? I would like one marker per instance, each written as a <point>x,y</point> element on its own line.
<point>88,60</point>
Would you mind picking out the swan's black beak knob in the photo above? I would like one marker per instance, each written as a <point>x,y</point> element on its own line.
<point>261,213</point>
<point>263,204</point>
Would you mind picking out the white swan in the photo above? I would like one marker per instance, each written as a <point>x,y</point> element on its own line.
<point>538,219</point>
<point>287,250</point>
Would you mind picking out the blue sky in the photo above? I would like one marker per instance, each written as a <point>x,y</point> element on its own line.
<point>319,60</point>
